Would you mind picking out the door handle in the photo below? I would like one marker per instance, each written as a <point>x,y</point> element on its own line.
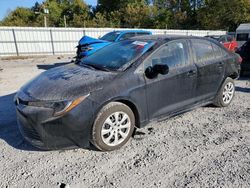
<point>191,73</point>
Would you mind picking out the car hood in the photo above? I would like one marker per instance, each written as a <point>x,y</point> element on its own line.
<point>65,83</point>
<point>89,40</point>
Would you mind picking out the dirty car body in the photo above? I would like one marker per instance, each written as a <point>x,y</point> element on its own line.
<point>88,45</point>
<point>94,83</point>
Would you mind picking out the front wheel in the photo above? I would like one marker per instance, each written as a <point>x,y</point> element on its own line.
<point>226,93</point>
<point>113,126</point>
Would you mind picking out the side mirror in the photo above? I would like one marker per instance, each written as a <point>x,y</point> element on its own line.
<point>152,72</point>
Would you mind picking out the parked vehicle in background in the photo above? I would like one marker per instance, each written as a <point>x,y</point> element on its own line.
<point>244,52</point>
<point>88,45</point>
<point>243,33</point>
<point>227,40</point>
<point>101,100</point>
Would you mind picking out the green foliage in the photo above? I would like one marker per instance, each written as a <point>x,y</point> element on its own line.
<point>227,14</point>
<point>19,17</point>
<point>174,14</point>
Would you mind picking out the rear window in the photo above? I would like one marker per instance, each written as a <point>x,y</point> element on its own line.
<point>242,36</point>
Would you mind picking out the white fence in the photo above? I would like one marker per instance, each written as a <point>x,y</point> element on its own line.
<point>50,41</point>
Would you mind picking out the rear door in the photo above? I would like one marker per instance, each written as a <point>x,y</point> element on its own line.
<point>174,91</point>
<point>210,65</point>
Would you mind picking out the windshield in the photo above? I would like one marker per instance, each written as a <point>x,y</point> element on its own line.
<point>111,37</point>
<point>117,55</point>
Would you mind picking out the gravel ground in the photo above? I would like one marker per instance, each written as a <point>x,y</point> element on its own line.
<point>207,147</point>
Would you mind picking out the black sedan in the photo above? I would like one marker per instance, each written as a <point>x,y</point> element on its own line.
<point>244,52</point>
<point>127,84</point>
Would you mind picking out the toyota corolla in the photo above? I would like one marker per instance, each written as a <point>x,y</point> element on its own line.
<point>127,84</point>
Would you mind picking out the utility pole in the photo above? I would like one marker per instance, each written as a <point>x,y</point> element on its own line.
<point>46,11</point>
<point>65,21</point>
<point>45,21</point>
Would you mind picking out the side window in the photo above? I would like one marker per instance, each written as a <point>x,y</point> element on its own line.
<point>174,54</point>
<point>218,51</point>
<point>203,51</point>
<point>127,36</point>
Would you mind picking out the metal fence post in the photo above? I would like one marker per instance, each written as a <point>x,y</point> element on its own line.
<point>84,32</point>
<point>14,36</point>
<point>52,42</point>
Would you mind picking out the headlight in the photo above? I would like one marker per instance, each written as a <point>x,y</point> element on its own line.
<point>60,107</point>
<point>68,106</point>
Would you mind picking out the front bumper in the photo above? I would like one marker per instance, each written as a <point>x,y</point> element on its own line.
<point>42,130</point>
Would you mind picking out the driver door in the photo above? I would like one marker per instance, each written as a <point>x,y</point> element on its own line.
<point>167,94</point>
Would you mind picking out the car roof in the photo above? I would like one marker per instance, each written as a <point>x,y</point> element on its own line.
<point>165,37</point>
<point>131,31</point>
<point>218,35</point>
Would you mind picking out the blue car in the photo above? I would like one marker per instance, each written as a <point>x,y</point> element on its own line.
<point>88,45</point>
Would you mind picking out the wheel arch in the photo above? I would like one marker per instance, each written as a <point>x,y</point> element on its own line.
<point>133,107</point>
<point>233,75</point>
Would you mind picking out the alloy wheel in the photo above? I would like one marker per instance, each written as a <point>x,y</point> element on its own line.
<point>228,92</point>
<point>115,128</point>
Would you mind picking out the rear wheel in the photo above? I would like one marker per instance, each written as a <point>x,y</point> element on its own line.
<point>113,126</point>
<point>226,93</point>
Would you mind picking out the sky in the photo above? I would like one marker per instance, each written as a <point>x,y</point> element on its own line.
<point>7,5</point>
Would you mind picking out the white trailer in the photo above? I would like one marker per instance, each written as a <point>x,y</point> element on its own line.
<point>243,33</point>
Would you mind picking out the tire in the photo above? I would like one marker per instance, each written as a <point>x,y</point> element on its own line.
<point>226,93</point>
<point>113,126</point>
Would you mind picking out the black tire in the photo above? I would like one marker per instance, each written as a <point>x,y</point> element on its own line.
<point>219,101</point>
<point>105,113</point>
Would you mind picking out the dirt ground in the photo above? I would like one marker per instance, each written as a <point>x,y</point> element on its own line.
<point>206,147</point>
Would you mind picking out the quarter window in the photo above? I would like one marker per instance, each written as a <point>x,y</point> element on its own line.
<point>173,54</point>
<point>203,51</point>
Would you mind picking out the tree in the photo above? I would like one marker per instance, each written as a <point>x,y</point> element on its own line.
<point>19,17</point>
<point>138,14</point>
<point>227,15</point>
<point>176,14</point>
